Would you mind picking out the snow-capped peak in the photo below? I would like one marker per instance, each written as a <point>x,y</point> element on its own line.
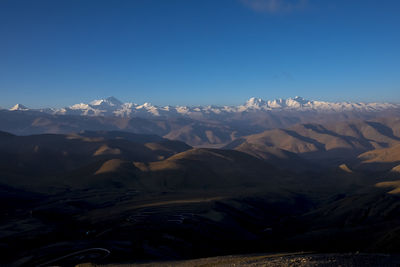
<point>297,102</point>
<point>80,106</point>
<point>19,107</point>
<point>145,105</point>
<point>109,101</point>
<point>254,103</point>
<point>277,103</point>
<point>113,107</point>
<point>299,99</point>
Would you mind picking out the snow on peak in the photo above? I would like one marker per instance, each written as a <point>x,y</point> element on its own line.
<point>277,103</point>
<point>145,105</point>
<point>109,101</point>
<point>301,104</point>
<point>19,107</point>
<point>80,106</point>
<point>113,107</point>
<point>254,102</point>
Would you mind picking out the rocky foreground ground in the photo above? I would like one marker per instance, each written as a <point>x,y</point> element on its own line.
<point>298,259</point>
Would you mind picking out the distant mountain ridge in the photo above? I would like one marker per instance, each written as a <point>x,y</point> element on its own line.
<point>196,126</point>
<point>114,107</point>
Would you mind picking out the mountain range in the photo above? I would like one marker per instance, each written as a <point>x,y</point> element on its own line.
<point>313,187</point>
<point>114,107</point>
<point>278,179</point>
<point>209,126</point>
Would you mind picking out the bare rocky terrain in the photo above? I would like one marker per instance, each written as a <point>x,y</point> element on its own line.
<point>286,260</point>
<point>109,197</point>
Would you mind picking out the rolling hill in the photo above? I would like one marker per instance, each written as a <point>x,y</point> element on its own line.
<point>333,143</point>
<point>129,192</point>
<point>36,159</point>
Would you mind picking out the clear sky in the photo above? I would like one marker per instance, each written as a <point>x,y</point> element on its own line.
<point>60,52</point>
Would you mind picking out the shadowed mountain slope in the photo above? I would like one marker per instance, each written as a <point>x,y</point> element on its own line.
<point>47,155</point>
<point>128,192</point>
<point>133,137</point>
<point>383,159</point>
<point>333,143</point>
<point>368,220</point>
<point>209,169</point>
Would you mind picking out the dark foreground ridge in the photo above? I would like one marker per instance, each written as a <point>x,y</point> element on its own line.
<point>283,260</point>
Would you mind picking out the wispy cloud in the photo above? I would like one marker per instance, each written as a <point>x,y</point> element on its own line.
<point>276,6</point>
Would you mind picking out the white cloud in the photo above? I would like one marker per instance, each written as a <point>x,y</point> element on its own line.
<point>275,6</point>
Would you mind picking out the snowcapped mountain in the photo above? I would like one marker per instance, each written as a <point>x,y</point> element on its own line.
<point>300,104</point>
<point>19,107</point>
<point>108,102</point>
<point>114,107</point>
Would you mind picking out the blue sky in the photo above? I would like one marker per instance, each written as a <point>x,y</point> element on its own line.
<point>57,53</point>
